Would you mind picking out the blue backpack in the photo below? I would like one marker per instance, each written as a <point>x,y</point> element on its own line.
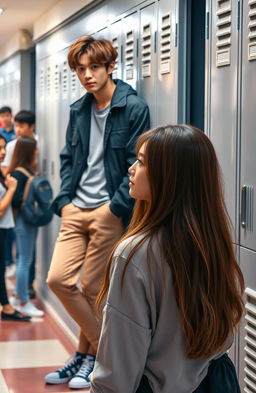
<point>36,201</point>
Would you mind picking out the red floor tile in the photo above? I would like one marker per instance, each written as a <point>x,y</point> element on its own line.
<point>31,380</point>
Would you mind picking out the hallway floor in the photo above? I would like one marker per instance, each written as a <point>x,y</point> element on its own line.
<point>28,351</point>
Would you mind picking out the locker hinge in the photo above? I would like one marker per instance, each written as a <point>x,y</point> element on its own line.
<point>176,34</point>
<point>122,54</point>
<point>155,43</point>
<point>238,15</point>
<point>137,47</point>
<point>247,207</point>
<point>207,25</point>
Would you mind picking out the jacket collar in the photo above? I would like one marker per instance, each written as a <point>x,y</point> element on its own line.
<point>119,98</point>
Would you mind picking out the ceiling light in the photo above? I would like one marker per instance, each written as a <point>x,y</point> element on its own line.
<point>1,10</point>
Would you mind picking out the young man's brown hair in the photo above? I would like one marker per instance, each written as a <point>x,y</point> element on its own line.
<point>100,51</point>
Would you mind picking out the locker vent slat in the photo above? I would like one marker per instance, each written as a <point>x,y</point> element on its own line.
<point>65,80</point>
<point>129,54</point>
<point>223,32</point>
<point>250,339</point>
<point>146,52</point>
<point>252,30</point>
<point>56,80</point>
<point>41,84</point>
<point>48,80</point>
<point>73,84</point>
<point>115,45</point>
<point>165,44</point>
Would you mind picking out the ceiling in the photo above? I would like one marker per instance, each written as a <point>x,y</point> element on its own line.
<point>21,14</point>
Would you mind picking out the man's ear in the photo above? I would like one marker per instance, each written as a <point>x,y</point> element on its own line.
<point>111,67</point>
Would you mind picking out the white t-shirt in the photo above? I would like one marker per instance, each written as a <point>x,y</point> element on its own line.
<point>9,151</point>
<point>6,221</point>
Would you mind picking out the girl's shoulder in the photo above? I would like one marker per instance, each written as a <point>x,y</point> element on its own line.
<point>131,244</point>
<point>20,175</point>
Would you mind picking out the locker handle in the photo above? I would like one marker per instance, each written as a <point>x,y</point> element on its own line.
<point>243,207</point>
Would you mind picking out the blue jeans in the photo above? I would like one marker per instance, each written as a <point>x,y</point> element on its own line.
<point>9,239</point>
<point>26,240</point>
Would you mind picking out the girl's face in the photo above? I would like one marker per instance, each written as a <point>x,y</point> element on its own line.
<point>139,183</point>
<point>2,149</point>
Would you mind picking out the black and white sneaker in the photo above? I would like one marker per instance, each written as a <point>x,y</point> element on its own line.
<point>81,379</point>
<point>67,372</point>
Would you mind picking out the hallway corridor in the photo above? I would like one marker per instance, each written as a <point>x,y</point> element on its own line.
<point>28,351</point>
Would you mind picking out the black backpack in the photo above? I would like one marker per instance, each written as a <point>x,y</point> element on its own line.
<point>36,201</point>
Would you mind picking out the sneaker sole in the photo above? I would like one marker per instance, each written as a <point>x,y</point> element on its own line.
<point>77,385</point>
<point>53,381</point>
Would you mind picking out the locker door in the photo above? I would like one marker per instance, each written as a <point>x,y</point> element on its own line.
<point>167,80</point>
<point>147,58</point>
<point>247,349</point>
<point>66,93</point>
<point>223,98</point>
<point>248,121</point>
<point>115,35</point>
<point>130,59</point>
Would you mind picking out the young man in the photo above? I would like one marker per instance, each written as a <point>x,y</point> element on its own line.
<point>93,201</point>
<point>7,126</point>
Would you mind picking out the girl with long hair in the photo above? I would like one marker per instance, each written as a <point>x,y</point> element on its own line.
<point>174,288</point>
<point>8,186</point>
<point>23,166</point>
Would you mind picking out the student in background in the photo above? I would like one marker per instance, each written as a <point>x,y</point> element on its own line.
<point>25,156</point>
<point>174,288</point>
<point>24,124</point>
<point>7,129</point>
<point>7,189</point>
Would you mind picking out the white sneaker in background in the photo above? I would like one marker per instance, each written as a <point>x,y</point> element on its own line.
<point>14,302</point>
<point>10,270</point>
<point>30,309</point>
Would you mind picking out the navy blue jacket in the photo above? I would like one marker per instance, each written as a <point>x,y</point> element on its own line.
<point>127,119</point>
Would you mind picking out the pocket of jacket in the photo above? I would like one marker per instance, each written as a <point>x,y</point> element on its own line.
<point>119,138</point>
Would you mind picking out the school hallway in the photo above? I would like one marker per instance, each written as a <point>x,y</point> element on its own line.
<point>30,350</point>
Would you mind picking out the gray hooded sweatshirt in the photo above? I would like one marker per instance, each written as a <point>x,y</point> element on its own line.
<point>142,332</point>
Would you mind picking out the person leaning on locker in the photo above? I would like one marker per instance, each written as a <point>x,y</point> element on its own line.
<point>93,201</point>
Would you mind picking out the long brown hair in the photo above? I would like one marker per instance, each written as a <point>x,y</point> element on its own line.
<point>188,212</point>
<point>23,154</point>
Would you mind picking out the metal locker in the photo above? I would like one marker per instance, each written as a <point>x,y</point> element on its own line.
<point>167,79</point>
<point>247,347</point>
<point>248,121</point>
<point>130,48</point>
<point>147,58</point>
<point>223,125</point>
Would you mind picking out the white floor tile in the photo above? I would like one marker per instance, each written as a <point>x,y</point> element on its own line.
<point>36,353</point>
<point>3,386</point>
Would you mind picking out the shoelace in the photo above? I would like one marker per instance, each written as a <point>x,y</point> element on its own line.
<point>85,369</point>
<point>71,362</point>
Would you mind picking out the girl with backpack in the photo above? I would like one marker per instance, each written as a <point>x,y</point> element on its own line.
<point>24,159</point>
<point>174,288</point>
<point>7,189</point>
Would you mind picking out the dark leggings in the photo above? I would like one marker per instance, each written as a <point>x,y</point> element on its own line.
<point>221,378</point>
<point>3,292</point>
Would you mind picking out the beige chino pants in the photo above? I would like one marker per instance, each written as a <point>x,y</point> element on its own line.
<point>85,240</point>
